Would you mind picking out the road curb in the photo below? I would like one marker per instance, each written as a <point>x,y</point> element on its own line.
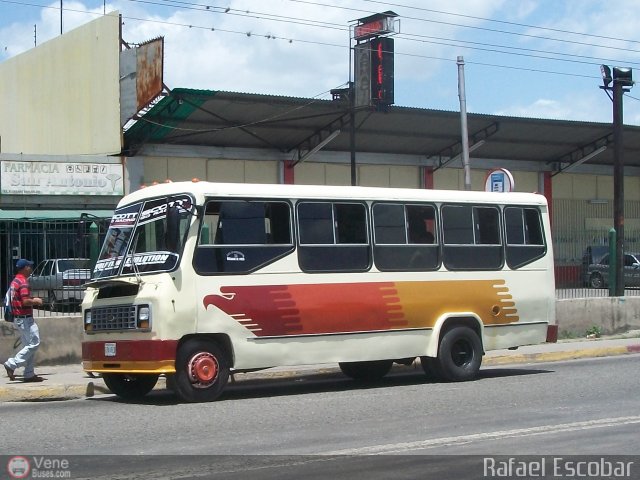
<point>560,356</point>
<point>19,392</point>
<point>41,394</point>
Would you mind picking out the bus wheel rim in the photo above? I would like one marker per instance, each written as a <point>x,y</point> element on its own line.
<point>203,369</point>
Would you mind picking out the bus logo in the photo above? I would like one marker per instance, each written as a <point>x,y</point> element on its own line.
<point>235,256</point>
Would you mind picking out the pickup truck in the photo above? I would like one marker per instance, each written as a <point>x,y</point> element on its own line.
<point>60,281</point>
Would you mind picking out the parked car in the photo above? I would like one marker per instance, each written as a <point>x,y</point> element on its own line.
<point>599,272</point>
<point>60,281</point>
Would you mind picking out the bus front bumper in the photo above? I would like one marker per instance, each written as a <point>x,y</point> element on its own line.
<point>129,356</point>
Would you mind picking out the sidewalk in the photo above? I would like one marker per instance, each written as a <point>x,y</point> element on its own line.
<point>65,382</point>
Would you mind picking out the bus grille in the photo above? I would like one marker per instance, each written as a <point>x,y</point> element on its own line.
<point>120,317</point>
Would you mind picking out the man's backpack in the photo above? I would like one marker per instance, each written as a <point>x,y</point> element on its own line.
<point>8,309</point>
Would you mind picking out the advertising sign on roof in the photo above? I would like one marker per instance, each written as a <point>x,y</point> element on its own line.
<point>380,26</point>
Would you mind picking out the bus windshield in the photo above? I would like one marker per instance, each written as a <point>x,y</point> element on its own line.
<point>144,237</point>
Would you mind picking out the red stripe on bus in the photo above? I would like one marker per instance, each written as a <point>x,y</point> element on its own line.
<point>270,310</point>
<point>131,350</point>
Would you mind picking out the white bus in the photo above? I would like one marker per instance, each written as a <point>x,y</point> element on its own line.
<point>197,280</point>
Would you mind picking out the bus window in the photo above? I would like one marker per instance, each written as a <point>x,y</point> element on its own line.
<point>405,237</point>
<point>315,222</point>
<point>525,240</point>
<point>240,236</point>
<point>389,224</point>
<point>333,237</point>
<point>420,223</point>
<point>471,237</point>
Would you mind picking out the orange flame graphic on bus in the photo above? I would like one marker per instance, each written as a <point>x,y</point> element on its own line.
<point>273,310</point>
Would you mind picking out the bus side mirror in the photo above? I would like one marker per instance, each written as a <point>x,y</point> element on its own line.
<point>173,229</point>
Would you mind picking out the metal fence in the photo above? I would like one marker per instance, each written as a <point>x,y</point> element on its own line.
<point>580,236</point>
<point>47,239</point>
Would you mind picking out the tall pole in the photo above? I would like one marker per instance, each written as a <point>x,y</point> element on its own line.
<point>352,132</point>
<point>352,112</point>
<point>618,185</point>
<point>60,17</point>
<point>463,124</point>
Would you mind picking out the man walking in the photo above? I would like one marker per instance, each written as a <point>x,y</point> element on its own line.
<point>22,304</point>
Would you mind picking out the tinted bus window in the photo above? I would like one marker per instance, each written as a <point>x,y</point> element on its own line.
<point>405,237</point>
<point>472,238</point>
<point>525,238</point>
<point>240,237</point>
<point>333,237</point>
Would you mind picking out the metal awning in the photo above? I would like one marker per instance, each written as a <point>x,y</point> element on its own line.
<point>295,125</point>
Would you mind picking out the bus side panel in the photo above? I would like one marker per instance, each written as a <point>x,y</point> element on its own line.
<point>287,324</point>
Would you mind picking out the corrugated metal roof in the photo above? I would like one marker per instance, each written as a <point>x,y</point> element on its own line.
<point>230,119</point>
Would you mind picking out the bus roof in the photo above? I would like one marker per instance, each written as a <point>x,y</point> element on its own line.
<point>202,189</point>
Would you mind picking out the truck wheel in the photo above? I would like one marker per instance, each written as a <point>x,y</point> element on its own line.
<point>596,281</point>
<point>202,371</point>
<point>53,301</point>
<point>366,371</point>
<point>130,387</point>
<point>459,354</point>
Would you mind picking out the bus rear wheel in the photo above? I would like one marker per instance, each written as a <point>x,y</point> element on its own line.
<point>202,371</point>
<point>366,371</point>
<point>130,386</point>
<point>459,355</point>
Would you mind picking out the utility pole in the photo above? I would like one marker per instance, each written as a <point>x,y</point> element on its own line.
<point>352,133</point>
<point>463,124</point>
<point>622,77</point>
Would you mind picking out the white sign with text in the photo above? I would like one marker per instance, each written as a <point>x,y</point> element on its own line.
<point>61,178</point>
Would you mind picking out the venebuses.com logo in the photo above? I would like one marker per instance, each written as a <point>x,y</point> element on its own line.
<point>38,467</point>
<point>18,467</point>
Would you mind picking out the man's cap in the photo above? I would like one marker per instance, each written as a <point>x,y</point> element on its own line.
<point>20,264</point>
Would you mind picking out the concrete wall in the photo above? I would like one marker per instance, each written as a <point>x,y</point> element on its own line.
<point>60,340</point>
<point>61,337</point>
<point>611,314</point>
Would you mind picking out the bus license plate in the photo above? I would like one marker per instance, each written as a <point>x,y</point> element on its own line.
<point>109,349</point>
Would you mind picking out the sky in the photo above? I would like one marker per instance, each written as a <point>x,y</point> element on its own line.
<point>525,58</point>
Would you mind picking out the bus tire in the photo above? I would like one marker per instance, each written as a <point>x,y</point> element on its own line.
<point>202,371</point>
<point>366,371</point>
<point>130,386</point>
<point>459,354</point>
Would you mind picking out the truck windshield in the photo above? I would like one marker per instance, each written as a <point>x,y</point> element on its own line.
<point>142,238</point>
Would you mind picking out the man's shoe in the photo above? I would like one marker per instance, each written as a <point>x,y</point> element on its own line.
<point>35,378</point>
<point>9,371</point>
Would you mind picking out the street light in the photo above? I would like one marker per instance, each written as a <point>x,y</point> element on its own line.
<point>621,77</point>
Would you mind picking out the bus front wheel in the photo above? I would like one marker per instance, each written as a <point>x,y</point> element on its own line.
<point>130,386</point>
<point>202,371</point>
<point>459,355</point>
<point>366,371</point>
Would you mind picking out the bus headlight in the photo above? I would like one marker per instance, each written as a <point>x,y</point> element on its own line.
<point>87,321</point>
<point>143,321</point>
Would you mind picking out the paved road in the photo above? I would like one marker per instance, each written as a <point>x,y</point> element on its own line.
<point>582,407</point>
